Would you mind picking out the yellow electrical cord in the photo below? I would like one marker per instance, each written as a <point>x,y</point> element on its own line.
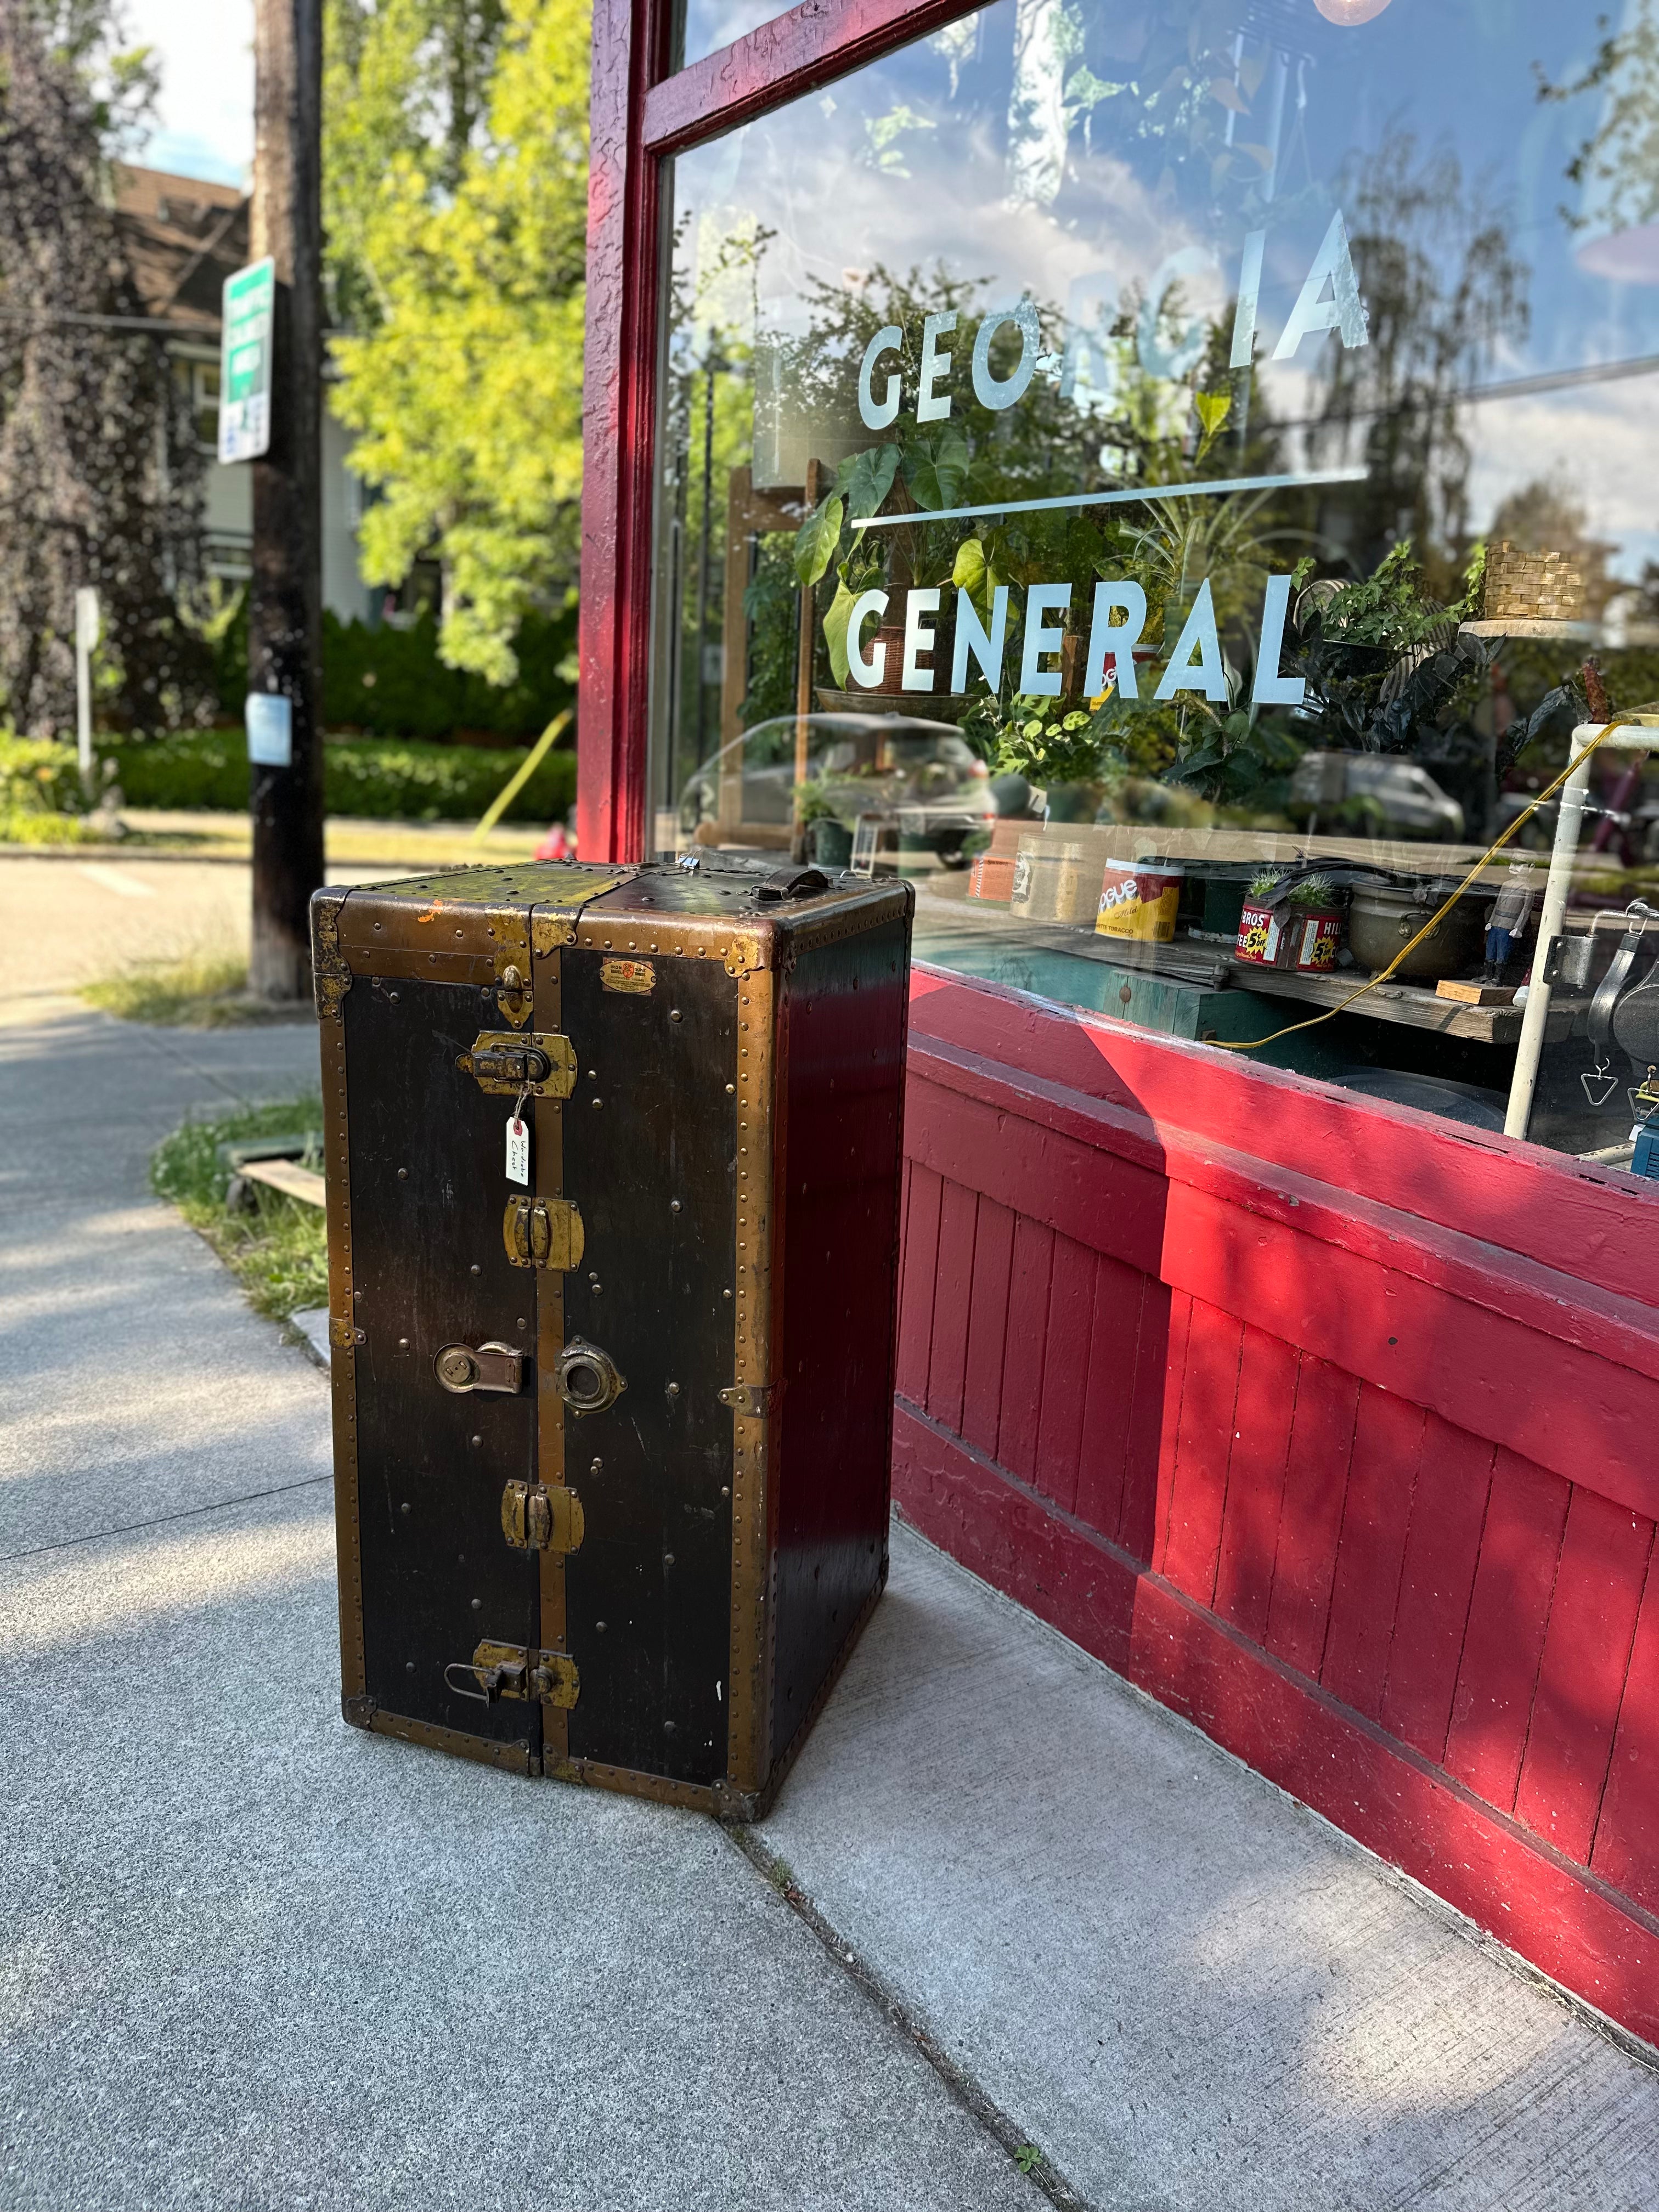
<point>1255,1044</point>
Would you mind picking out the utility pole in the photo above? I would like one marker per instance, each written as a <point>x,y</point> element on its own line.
<point>284,645</point>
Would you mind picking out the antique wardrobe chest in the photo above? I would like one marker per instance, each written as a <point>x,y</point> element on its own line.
<point>613,1161</point>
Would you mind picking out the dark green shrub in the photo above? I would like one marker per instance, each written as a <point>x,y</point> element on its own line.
<point>388,682</point>
<point>406,780</point>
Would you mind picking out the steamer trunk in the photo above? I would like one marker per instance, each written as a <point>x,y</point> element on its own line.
<point>611,1446</point>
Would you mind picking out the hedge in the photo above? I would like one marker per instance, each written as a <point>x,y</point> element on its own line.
<point>388,681</point>
<point>393,780</point>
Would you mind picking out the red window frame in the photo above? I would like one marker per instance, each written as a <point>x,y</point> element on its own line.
<point>642,115</point>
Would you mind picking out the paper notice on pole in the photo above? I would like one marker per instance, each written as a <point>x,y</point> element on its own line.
<point>270,729</point>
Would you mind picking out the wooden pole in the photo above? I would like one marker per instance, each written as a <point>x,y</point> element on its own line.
<point>285,595</point>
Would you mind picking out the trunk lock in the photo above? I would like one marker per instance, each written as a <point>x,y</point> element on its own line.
<point>544,1232</point>
<point>537,1520</point>
<point>461,1367</point>
<point>507,1066</point>
<point>515,1670</point>
<point>587,1378</point>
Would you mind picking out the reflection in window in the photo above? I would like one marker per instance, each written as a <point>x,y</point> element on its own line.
<point>1171,481</point>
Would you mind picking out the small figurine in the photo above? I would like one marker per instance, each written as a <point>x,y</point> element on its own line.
<point>1508,920</point>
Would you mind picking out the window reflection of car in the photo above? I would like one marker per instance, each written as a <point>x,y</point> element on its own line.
<point>857,764</point>
<point>1398,795</point>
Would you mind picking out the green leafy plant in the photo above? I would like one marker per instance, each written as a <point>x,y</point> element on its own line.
<point>278,1252</point>
<point>41,802</point>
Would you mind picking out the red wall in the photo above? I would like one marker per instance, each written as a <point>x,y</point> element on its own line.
<point>1330,1426</point>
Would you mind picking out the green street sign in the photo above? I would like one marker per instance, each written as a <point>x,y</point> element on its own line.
<point>245,362</point>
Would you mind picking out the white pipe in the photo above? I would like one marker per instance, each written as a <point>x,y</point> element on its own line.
<point>1530,1050</point>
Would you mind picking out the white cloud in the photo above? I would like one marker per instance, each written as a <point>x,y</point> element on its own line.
<point>205,122</point>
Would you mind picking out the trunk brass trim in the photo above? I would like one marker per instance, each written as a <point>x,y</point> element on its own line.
<point>343,1331</point>
<point>759,1080</point>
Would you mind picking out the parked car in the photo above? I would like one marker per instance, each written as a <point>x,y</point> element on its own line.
<point>856,765</point>
<point>1398,795</point>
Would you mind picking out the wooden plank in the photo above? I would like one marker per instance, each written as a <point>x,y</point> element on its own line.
<point>1504,1640</point>
<point>287,1177</point>
<point>1449,1510</point>
<point>1569,1926</point>
<point>1160,1364</point>
<point>1023,1346</point>
<point>1108,1402</point>
<point>1371,1549</point>
<point>1405,1003</point>
<point>1315,1478</point>
<point>1255,1481</point>
<point>1581,1678</point>
<point>1066,1371</point>
<point>1203,1448</point>
<point>916,1326</point>
<point>952,1280</point>
<point>1564,1214</point>
<point>1626,1847</point>
<point>987,1325</point>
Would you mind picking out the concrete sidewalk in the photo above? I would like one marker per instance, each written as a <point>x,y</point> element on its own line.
<point>252,1957</point>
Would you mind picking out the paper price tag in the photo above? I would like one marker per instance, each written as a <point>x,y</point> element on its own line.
<point>518,1151</point>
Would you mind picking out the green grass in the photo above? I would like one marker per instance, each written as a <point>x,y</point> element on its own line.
<point>279,1252</point>
<point>208,991</point>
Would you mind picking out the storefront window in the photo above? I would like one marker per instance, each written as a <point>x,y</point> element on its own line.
<point>1171,477</point>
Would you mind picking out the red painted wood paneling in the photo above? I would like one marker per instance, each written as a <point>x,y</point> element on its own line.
<point>1478,1336</point>
<point>1169,1434</point>
<point>1066,1371</point>
<point>1371,1549</point>
<point>1591,1224</point>
<point>1160,1362</point>
<point>1567,1921</point>
<point>1024,1343</point>
<point>987,1325</point>
<point>1519,1548</point>
<point>1580,1679</point>
<point>948,1359</point>
<point>1255,1481</point>
<point>1626,1849</point>
<point>915,1321</point>
<point>1315,1477</point>
<point>1449,1512</point>
<point>1108,1410</point>
<point>1192,1544</point>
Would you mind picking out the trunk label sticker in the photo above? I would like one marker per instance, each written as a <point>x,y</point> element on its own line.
<point>638,975</point>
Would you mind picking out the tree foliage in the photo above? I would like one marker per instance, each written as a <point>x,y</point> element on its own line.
<point>100,475</point>
<point>456,163</point>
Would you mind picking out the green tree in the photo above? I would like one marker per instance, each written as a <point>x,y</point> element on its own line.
<point>455,159</point>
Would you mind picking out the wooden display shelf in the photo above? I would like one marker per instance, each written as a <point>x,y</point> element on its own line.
<point>1407,1003</point>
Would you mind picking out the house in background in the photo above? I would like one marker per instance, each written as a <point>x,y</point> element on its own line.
<point>183,237</point>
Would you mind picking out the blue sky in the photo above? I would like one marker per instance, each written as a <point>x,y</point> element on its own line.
<point>205,120</point>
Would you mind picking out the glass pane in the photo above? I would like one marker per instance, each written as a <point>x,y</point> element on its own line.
<point>1172,480</point>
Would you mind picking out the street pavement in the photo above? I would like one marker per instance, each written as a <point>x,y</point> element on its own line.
<point>252,1957</point>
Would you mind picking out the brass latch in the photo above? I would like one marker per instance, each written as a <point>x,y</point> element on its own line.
<point>508,1065</point>
<point>544,1232</point>
<point>516,1670</point>
<point>491,1366</point>
<point>537,1520</point>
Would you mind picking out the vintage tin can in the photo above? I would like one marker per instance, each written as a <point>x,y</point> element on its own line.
<point>991,878</point>
<point>1305,939</point>
<point>1139,899</point>
<point>611,1445</point>
<point>1051,880</point>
